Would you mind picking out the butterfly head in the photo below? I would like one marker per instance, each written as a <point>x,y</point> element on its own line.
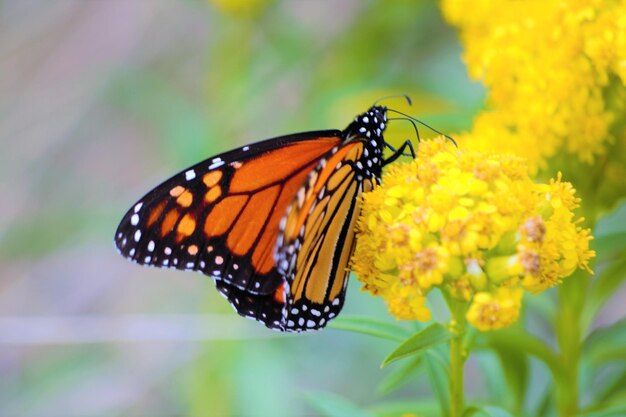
<point>369,127</point>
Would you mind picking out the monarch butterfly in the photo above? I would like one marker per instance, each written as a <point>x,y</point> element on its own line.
<point>272,222</point>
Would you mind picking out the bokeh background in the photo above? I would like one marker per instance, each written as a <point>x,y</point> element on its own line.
<point>100,101</point>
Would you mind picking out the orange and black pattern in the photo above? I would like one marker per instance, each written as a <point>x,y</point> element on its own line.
<point>272,222</point>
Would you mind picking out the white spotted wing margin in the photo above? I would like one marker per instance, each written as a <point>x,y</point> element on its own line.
<point>315,259</point>
<point>148,237</point>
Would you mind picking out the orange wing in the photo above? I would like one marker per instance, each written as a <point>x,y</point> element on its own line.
<point>316,235</point>
<point>221,216</point>
<point>272,222</point>
<point>318,239</point>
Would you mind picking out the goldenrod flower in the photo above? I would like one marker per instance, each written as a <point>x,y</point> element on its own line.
<point>491,311</point>
<point>550,69</point>
<point>240,8</point>
<point>471,224</point>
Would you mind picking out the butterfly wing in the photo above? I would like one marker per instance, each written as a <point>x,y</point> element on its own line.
<point>318,239</point>
<point>272,222</point>
<point>313,248</point>
<point>221,216</point>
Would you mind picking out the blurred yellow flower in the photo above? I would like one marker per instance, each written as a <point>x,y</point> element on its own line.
<point>548,68</point>
<point>240,8</point>
<point>491,311</point>
<point>471,224</point>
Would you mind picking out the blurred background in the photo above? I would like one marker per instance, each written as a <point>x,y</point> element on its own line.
<point>102,100</point>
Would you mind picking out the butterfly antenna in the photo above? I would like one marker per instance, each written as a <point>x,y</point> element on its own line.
<point>424,124</point>
<point>406,97</point>
<point>417,133</point>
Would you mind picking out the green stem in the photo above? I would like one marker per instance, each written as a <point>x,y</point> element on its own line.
<point>457,358</point>
<point>569,336</point>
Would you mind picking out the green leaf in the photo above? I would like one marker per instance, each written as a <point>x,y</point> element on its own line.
<point>422,407</point>
<point>515,365</point>
<point>487,410</point>
<point>398,376</point>
<point>330,405</point>
<point>543,306</point>
<point>493,374</point>
<point>606,344</point>
<point>610,233</point>
<point>433,335</point>
<point>438,371</point>
<point>611,386</point>
<point>518,339</point>
<point>604,287</point>
<point>618,411</point>
<point>366,325</point>
<point>544,405</point>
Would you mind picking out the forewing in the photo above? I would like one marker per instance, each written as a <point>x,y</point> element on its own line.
<point>221,216</point>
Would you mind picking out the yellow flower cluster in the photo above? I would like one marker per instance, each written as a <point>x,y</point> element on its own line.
<point>240,8</point>
<point>548,67</point>
<point>471,224</point>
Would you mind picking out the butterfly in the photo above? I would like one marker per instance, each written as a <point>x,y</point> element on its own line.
<point>272,222</point>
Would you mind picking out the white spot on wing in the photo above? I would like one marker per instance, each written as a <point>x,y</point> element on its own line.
<point>151,246</point>
<point>138,207</point>
<point>216,164</point>
<point>189,175</point>
<point>137,235</point>
<point>134,219</point>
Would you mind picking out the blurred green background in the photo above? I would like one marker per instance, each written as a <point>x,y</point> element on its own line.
<point>102,100</point>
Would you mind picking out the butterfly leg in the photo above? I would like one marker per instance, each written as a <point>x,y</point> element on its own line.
<point>400,152</point>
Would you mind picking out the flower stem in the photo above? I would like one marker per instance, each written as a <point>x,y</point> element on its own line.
<point>457,358</point>
<point>571,297</point>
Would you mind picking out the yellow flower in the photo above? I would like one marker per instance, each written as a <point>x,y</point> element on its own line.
<point>491,311</point>
<point>407,304</point>
<point>467,223</point>
<point>550,69</point>
<point>240,8</point>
